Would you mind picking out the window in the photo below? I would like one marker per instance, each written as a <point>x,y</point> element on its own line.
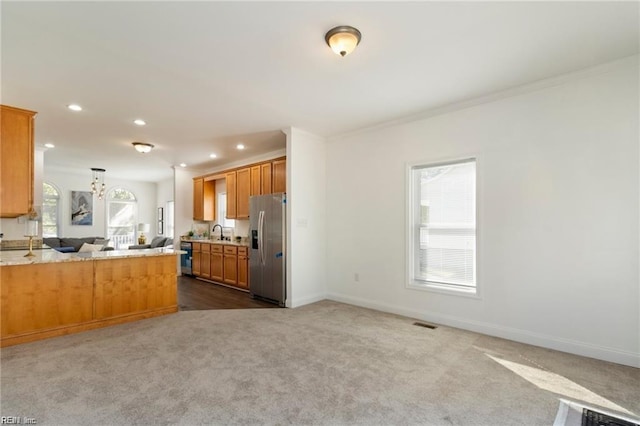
<point>50,210</point>
<point>222,212</point>
<point>168,220</point>
<point>443,226</point>
<point>122,211</point>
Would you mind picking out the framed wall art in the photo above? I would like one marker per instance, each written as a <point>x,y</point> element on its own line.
<point>81,208</point>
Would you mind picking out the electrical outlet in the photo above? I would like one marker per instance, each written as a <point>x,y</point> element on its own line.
<point>356,277</point>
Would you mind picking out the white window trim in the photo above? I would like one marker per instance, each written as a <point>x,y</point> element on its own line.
<point>410,198</point>
<point>58,205</point>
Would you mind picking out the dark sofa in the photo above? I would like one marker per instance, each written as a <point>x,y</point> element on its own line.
<point>158,241</point>
<point>72,245</point>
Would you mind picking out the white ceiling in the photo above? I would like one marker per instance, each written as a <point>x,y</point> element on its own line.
<point>207,75</point>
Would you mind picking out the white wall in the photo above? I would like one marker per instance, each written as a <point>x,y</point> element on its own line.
<point>145,193</point>
<point>558,257</point>
<point>164,194</point>
<point>183,200</point>
<point>306,220</point>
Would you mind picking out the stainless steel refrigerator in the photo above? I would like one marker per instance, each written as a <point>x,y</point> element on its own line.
<point>267,254</point>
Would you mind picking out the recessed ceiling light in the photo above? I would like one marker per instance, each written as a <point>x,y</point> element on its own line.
<point>213,156</point>
<point>49,145</point>
<point>139,122</point>
<point>240,146</point>
<point>183,165</point>
<point>74,107</point>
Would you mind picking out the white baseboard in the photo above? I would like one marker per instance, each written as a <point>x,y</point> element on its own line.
<point>518,335</point>
<point>296,303</point>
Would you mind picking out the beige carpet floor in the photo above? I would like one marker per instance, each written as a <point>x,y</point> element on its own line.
<point>323,364</point>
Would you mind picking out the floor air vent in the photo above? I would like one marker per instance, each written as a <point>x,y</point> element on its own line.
<point>425,325</point>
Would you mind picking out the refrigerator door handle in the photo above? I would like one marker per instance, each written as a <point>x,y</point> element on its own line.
<point>261,237</point>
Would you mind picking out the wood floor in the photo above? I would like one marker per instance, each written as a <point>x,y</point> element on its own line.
<point>197,295</point>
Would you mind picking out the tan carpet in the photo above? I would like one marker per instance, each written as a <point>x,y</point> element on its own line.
<point>322,364</point>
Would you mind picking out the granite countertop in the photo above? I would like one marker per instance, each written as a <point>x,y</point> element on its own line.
<point>16,257</point>
<point>228,243</point>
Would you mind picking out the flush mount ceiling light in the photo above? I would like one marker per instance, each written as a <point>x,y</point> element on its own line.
<point>74,107</point>
<point>343,39</point>
<point>97,182</point>
<point>142,147</point>
<point>139,122</point>
<point>240,146</point>
<point>213,156</point>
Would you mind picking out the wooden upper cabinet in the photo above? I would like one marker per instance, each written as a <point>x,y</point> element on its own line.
<point>204,199</point>
<point>16,161</point>
<point>198,197</point>
<point>243,189</point>
<point>209,200</point>
<point>256,181</point>
<point>265,178</point>
<point>232,211</point>
<point>279,174</point>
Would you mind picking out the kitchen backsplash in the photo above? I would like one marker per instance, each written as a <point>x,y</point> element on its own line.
<point>203,229</point>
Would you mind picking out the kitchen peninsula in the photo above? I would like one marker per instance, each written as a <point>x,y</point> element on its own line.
<point>54,294</point>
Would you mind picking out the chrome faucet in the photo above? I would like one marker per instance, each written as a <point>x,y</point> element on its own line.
<point>213,230</point>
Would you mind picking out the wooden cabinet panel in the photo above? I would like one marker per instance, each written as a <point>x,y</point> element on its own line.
<point>265,178</point>
<point>209,200</point>
<point>243,189</point>
<point>243,268</point>
<point>196,256</point>
<point>217,265</point>
<point>279,174</point>
<point>129,285</point>
<point>230,179</point>
<point>205,261</point>
<point>16,161</point>
<point>198,198</point>
<point>256,181</point>
<point>54,299</point>
<point>45,296</point>
<point>230,265</point>
<point>204,199</point>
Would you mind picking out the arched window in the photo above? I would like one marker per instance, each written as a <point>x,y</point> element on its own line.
<point>50,210</point>
<point>122,212</point>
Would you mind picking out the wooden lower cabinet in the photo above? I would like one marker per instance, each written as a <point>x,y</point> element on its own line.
<point>205,261</point>
<point>243,267</point>
<point>136,284</point>
<point>217,264</point>
<point>196,258</point>
<point>45,296</point>
<point>222,263</point>
<point>230,265</point>
<point>45,300</point>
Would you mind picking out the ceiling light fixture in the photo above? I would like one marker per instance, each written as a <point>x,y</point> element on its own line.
<point>183,164</point>
<point>97,182</point>
<point>74,107</point>
<point>139,122</point>
<point>49,145</point>
<point>142,147</point>
<point>213,156</point>
<point>343,39</point>
<point>240,146</point>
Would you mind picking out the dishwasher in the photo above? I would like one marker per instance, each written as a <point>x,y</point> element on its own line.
<point>185,258</point>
